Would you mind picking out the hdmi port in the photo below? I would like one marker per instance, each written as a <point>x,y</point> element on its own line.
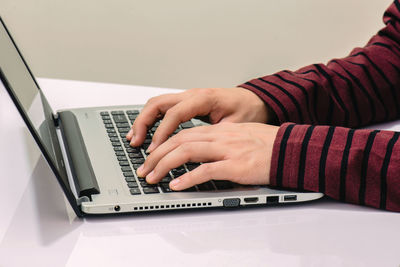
<point>251,199</point>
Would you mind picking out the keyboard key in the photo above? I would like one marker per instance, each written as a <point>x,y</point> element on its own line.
<point>132,184</point>
<point>191,167</point>
<point>123,136</point>
<point>137,160</point>
<point>122,158</point>
<point>178,173</point>
<point>106,121</point>
<point>122,125</point>
<point>115,144</point>
<point>132,112</point>
<point>120,118</point>
<point>165,188</point>
<point>135,191</point>
<point>123,163</point>
<point>114,139</point>
<point>143,183</point>
<point>125,128</point>
<point>117,112</point>
<point>126,169</point>
<point>180,169</point>
<point>145,146</point>
<point>136,165</point>
<point>103,113</point>
<point>150,190</point>
<point>130,179</point>
<point>135,155</point>
<point>112,135</point>
<point>109,126</point>
<point>119,153</point>
<point>118,148</point>
<point>132,117</point>
<point>166,179</point>
<point>111,130</point>
<point>187,125</point>
<point>147,141</point>
<point>123,132</point>
<point>128,174</point>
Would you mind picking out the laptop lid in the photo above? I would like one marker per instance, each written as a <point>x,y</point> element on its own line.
<point>34,108</point>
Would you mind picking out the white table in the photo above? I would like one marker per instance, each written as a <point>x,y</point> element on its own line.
<point>37,228</point>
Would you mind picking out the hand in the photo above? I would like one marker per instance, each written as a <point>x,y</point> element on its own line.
<point>220,105</point>
<point>239,152</point>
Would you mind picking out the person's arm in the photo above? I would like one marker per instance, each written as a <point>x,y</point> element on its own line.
<point>361,89</point>
<point>355,166</point>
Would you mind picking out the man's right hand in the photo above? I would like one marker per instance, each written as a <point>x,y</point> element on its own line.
<point>220,105</point>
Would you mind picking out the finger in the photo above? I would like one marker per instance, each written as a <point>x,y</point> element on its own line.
<point>181,112</point>
<point>218,170</point>
<point>184,136</point>
<point>193,152</point>
<point>153,108</point>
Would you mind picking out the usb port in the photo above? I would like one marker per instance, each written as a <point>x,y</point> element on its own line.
<point>290,198</point>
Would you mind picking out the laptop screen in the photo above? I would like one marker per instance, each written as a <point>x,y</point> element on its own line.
<point>33,106</point>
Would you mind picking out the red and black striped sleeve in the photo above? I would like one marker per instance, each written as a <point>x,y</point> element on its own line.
<point>356,166</point>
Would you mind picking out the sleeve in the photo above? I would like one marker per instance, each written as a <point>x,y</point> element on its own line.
<point>361,89</point>
<point>355,166</point>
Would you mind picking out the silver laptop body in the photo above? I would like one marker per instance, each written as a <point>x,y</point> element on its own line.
<point>77,147</point>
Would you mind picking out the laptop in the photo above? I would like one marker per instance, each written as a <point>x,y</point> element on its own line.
<point>94,164</point>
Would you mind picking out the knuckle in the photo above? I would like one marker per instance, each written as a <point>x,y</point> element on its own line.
<point>152,100</point>
<point>207,170</point>
<point>207,91</point>
<point>186,150</point>
<point>171,113</point>
<point>176,139</point>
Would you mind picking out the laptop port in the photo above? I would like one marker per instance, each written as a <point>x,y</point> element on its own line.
<point>231,202</point>
<point>290,198</point>
<point>251,199</point>
<point>117,208</point>
<point>272,199</point>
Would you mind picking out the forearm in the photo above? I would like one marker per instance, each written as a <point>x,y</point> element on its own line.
<point>356,166</point>
<point>361,89</point>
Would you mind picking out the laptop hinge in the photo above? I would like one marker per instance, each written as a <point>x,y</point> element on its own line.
<point>55,119</point>
<point>82,199</point>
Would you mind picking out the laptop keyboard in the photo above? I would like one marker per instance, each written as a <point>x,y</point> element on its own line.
<point>117,124</point>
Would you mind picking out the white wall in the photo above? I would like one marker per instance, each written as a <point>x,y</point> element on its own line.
<point>184,43</point>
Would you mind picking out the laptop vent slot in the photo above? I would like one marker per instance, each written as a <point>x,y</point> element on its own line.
<point>172,206</point>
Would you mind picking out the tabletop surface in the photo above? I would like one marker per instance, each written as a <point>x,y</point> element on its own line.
<point>37,227</point>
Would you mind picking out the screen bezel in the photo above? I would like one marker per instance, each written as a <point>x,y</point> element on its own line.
<point>66,188</point>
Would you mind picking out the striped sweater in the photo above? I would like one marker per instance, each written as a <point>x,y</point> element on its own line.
<point>316,148</point>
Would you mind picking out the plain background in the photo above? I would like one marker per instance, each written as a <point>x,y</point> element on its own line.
<point>184,43</point>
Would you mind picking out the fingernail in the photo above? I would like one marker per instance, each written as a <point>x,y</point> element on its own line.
<point>150,176</point>
<point>140,170</point>
<point>150,148</point>
<point>132,140</point>
<point>129,133</point>
<point>174,183</point>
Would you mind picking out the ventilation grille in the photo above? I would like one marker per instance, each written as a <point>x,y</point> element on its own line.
<point>172,206</point>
